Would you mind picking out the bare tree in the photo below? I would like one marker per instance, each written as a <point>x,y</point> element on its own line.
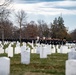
<point>31,30</point>
<point>43,29</point>
<point>40,23</point>
<point>3,15</point>
<point>21,19</point>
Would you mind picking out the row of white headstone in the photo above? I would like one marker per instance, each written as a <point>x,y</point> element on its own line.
<point>5,61</point>
<point>43,50</point>
<point>71,63</point>
<point>62,49</point>
<point>25,59</point>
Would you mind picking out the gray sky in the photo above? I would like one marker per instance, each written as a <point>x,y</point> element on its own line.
<point>47,10</point>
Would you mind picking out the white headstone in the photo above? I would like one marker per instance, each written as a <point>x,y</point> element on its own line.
<point>48,49</point>
<point>73,49</point>
<point>72,55</point>
<point>70,67</point>
<point>58,48</point>
<point>10,51</point>
<point>4,66</point>
<point>43,52</point>
<point>1,50</point>
<point>17,49</point>
<point>18,43</point>
<point>24,44</point>
<point>33,50</point>
<point>25,55</point>
<point>64,49</point>
<point>23,48</point>
<point>53,49</point>
<point>38,49</point>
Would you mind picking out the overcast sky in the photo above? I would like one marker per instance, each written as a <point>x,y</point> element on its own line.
<point>47,10</point>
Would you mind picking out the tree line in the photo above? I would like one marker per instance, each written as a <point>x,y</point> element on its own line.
<point>28,30</point>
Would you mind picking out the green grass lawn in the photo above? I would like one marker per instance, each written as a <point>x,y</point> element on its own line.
<point>53,65</point>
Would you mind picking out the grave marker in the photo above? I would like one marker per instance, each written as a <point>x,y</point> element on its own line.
<point>4,66</point>
<point>25,55</point>
<point>70,67</point>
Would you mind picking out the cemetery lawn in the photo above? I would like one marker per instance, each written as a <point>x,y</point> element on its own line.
<point>53,65</point>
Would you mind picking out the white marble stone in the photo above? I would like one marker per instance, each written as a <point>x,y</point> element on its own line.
<point>38,49</point>
<point>25,56</point>
<point>10,51</point>
<point>18,43</point>
<point>73,49</point>
<point>64,49</point>
<point>4,66</point>
<point>1,50</point>
<point>72,55</point>
<point>6,42</point>
<point>48,49</point>
<point>33,50</point>
<point>43,52</point>
<point>23,48</point>
<point>1,46</point>
<point>53,49</point>
<point>24,44</point>
<point>70,67</point>
<point>58,48</point>
<point>17,49</point>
